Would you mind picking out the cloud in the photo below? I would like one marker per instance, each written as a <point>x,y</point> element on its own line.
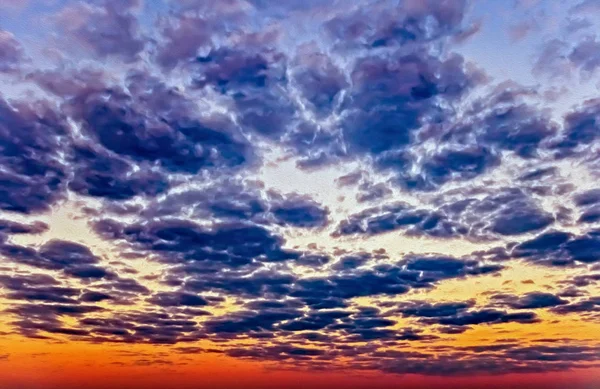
<point>508,212</point>
<point>94,297</point>
<point>182,37</point>
<point>33,176</point>
<point>160,131</point>
<point>234,200</point>
<point>488,316</point>
<point>38,287</point>
<point>588,204</point>
<point>579,132</point>
<point>12,227</point>
<point>182,144</point>
<point>73,259</point>
<point>565,58</point>
<point>425,309</point>
<point>255,79</point>
<point>58,254</point>
<point>530,300</point>
<point>12,54</point>
<point>319,79</point>
<point>299,211</point>
<point>183,34</point>
<point>558,248</point>
<point>461,314</point>
<point>167,299</point>
<point>181,241</point>
<point>98,174</point>
<point>396,109</point>
<point>585,56</point>
<point>398,25</point>
<point>108,29</point>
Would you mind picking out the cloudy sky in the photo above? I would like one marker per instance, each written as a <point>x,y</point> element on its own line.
<point>299,194</point>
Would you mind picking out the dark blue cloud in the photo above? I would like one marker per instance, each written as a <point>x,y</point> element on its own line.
<point>250,321</point>
<point>504,120</point>
<point>99,174</point>
<point>509,212</point>
<point>278,353</point>
<point>470,146</point>
<point>59,254</point>
<point>315,321</point>
<point>388,25</point>
<point>537,174</point>
<point>73,259</point>
<point>36,318</point>
<point>179,143</point>
<point>530,300</point>
<point>390,217</point>
<point>330,292</point>
<point>352,261</point>
<point>255,80</point>
<point>12,227</point>
<point>181,241</point>
<point>236,70</point>
<point>465,163</point>
<point>154,327</point>
<point>560,248</point>
<point>373,192</point>
<point>580,128</point>
<point>396,279</point>
<point>462,314</point>
<point>235,200</point>
<point>320,80</point>
<point>299,211</point>
<point>175,299</point>
<point>586,198</point>
<point>87,272</point>
<point>32,178</point>
<point>425,309</point>
<point>168,139</point>
<point>588,202</point>
<point>582,307</point>
<point>39,288</point>
<point>246,283</point>
<point>386,104</point>
<point>486,316</point>
<point>94,297</point>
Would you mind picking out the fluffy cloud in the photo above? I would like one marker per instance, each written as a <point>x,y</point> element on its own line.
<point>159,129</point>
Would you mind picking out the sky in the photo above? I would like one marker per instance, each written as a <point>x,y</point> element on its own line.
<point>290,194</point>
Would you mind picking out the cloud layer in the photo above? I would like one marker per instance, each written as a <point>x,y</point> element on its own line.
<point>158,132</point>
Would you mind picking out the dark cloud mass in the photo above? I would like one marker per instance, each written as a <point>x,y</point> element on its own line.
<point>531,300</point>
<point>168,176</point>
<point>560,248</point>
<point>460,315</point>
<point>143,131</point>
<point>506,213</point>
<point>33,176</point>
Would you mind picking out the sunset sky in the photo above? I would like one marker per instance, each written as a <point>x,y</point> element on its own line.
<point>255,194</point>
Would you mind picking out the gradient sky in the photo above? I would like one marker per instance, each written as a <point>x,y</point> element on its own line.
<point>299,194</point>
